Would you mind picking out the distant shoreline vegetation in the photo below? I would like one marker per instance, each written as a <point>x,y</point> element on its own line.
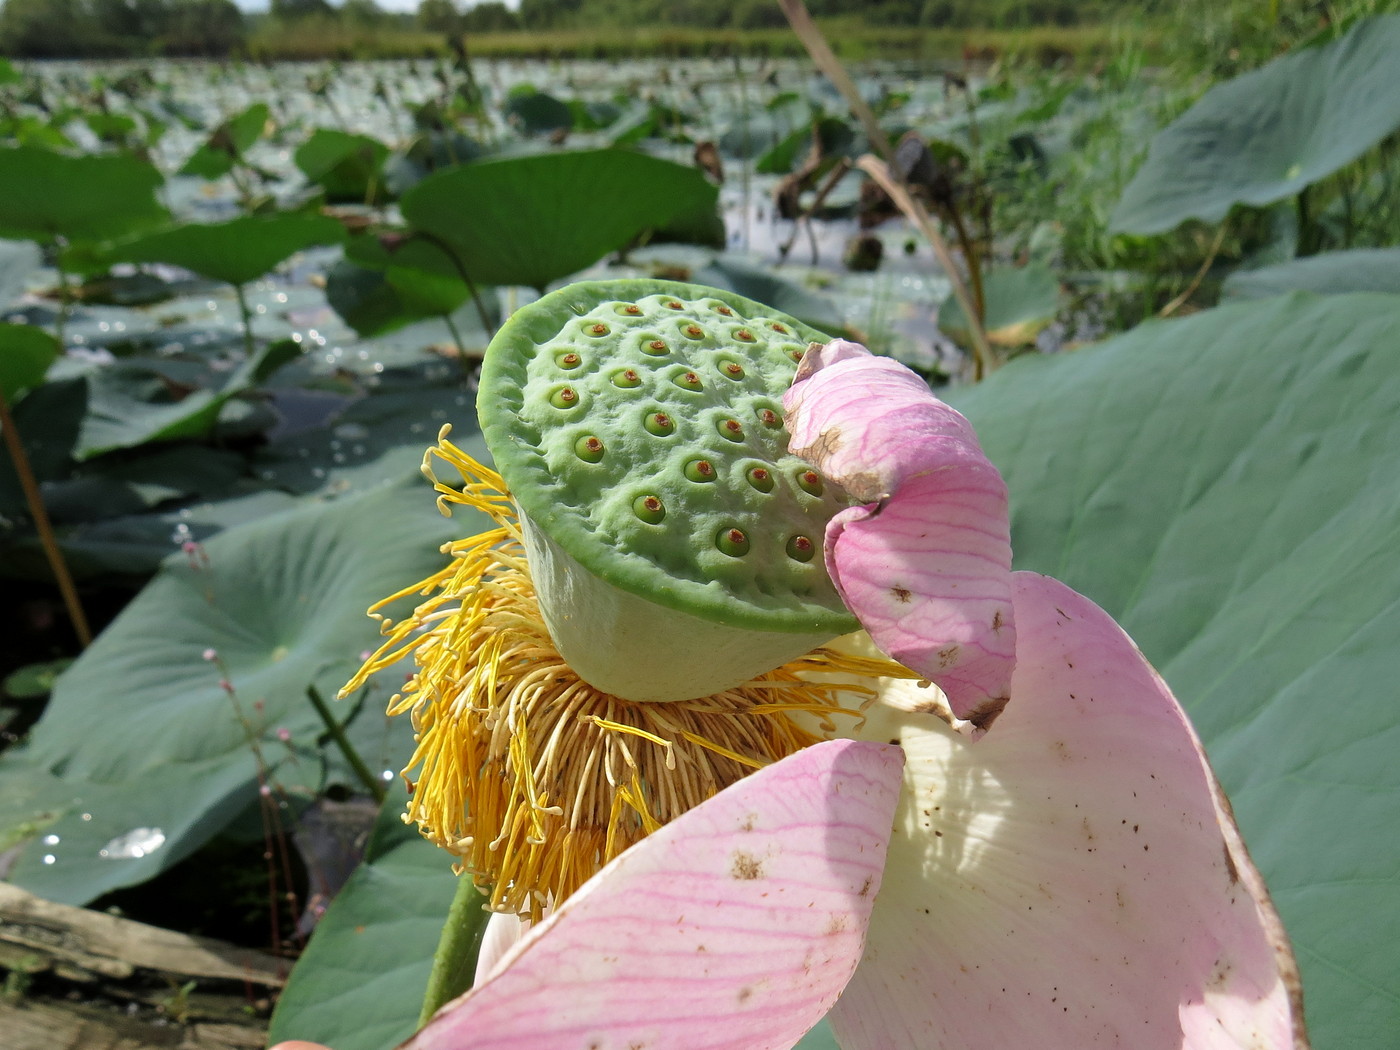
<point>1044,30</point>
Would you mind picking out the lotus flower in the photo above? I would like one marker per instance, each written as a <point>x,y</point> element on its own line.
<point>1022,845</point>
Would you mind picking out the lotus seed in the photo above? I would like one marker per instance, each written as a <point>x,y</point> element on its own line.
<point>700,470</point>
<point>589,449</point>
<point>649,509</point>
<point>626,379</point>
<point>769,418</point>
<point>761,478</point>
<point>689,381</point>
<point>744,334</point>
<point>694,331</point>
<point>732,542</point>
<point>564,397</point>
<point>598,329</point>
<point>782,329</point>
<point>673,305</point>
<point>810,482</point>
<point>801,548</point>
<point>724,310</point>
<point>731,429</point>
<point>568,361</point>
<point>656,347</point>
<point>733,369</point>
<point>660,424</point>
<point>630,309</point>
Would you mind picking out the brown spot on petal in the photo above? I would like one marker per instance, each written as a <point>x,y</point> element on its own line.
<point>902,594</point>
<point>866,487</point>
<point>865,886</point>
<point>948,656</point>
<point>996,621</point>
<point>1230,867</point>
<point>745,866</point>
<point>807,365</point>
<point>836,925</point>
<point>745,993</point>
<point>986,712</point>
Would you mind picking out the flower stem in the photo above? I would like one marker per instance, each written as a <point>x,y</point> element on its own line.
<point>454,962</point>
<point>43,526</point>
<point>247,318</point>
<point>337,733</point>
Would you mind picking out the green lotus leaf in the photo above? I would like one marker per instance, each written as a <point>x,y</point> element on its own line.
<point>1266,135</point>
<point>1224,485</point>
<point>139,732</point>
<point>350,168</point>
<point>25,355</point>
<point>359,984</point>
<point>237,251</point>
<point>49,195</point>
<point>130,403</point>
<point>535,219</point>
<point>1356,270</point>
<point>228,143</point>
<point>1020,302</point>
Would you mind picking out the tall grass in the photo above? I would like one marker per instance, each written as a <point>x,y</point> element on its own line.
<point>322,38</point>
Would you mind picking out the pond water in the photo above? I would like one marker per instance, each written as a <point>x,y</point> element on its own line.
<point>745,107</point>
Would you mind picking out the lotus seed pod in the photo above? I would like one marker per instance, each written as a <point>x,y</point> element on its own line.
<point>671,536</point>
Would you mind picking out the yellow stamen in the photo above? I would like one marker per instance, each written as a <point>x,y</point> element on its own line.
<point>529,775</point>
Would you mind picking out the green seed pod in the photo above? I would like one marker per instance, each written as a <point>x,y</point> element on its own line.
<point>718,546</point>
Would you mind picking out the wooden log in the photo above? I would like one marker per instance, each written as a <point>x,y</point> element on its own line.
<point>84,980</point>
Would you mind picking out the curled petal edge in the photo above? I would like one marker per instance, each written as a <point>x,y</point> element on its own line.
<point>925,561</point>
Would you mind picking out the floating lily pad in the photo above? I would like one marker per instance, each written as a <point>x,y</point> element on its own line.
<point>130,403</point>
<point>532,220</point>
<point>1268,134</point>
<point>281,600</point>
<point>537,112</point>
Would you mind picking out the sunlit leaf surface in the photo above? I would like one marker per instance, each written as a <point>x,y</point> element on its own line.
<point>281,600</point>
<point>1224,485</point>
<point>1269,133</point>
<point>532,220</point>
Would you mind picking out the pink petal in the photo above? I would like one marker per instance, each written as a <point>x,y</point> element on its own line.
<point>734,926</point>
<point>1074,879</point>
<point>925,565</point>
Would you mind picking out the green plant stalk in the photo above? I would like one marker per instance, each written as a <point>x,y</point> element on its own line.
<point>446,250</point>
<point>43,526</point>
<point>974,264</point>
<point>247,320</point>
<point>337,733</point>
<point>461,346</point>
<point>454,962</point>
